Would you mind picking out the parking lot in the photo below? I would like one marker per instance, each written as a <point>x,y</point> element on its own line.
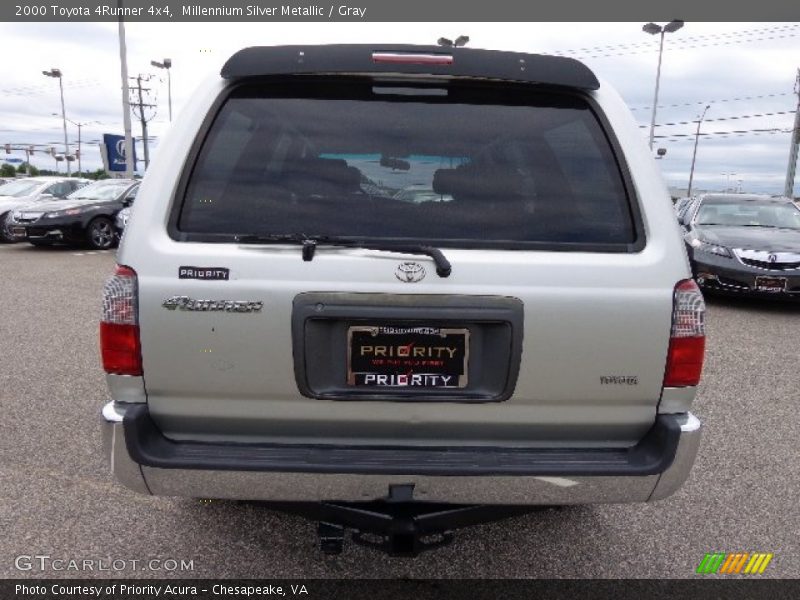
<point>58,498</point>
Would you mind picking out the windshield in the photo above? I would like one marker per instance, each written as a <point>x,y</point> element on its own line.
<point>103,190</point>
<point>750,214</point>
<point>17,189</point>
<point>462,167</point>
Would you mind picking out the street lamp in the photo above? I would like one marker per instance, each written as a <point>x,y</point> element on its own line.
<point>653,29</point>
<point>694,155</point>
<point>57,73</point>
<point>728,180</point>
<point>166,64</point>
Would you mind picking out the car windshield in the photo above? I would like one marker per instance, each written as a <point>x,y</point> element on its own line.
<point>103,190</point>
<point>750,214</point>
<point>461,167</point>
<point>17,189</point>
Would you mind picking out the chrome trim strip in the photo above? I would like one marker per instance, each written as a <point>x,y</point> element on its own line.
<point>126,388</point>
<point>676,400</point>
<point>763,256</point>
<point>529,490</point>
<point>124,469</point>
<point>674,477</point>
<point>293,487</point>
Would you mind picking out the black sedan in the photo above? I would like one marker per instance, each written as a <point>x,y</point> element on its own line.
<point>84,217</point>
<point>745,244</point>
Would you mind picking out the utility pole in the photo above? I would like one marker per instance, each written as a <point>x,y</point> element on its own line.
<point>694,155</point>
<point>788,190</point>
<point>138,108</point>
<point>126,107</point>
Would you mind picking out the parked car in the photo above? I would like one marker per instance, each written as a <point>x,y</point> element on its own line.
<point>22,192</point>
<point>314,341</point>
<point>122,216</point>
<point>85,217</point>
<point>745,244</point>
<point>681,204</point>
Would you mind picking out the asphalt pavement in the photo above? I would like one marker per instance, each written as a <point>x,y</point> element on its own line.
<point>58,499</point>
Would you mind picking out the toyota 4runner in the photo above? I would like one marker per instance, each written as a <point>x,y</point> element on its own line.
<point>401,289</point>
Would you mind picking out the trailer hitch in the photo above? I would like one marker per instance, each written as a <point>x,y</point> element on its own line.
<point>397,525</point>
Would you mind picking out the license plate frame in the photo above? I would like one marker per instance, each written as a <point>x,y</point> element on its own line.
<point>770,284</point>
<point>407,358</point>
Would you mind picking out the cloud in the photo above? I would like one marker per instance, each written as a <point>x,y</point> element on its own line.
<point>725,63</point>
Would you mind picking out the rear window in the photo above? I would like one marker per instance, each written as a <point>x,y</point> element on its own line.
<point>453,166</point>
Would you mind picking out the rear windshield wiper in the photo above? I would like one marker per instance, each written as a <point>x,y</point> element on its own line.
<point>310,243</point>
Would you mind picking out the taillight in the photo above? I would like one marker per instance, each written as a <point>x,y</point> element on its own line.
<point>687,341</point>
<point>119,327</point>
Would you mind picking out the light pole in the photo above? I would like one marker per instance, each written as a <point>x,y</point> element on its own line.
<point>166,64</point>
<point>57,73</point>
<point>694,154</point>
<point>653,29</point>
<point>728,180</point>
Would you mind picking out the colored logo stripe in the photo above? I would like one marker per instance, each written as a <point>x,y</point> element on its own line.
<point>728,563</point>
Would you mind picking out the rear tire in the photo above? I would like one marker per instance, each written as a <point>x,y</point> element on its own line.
<point>100,234</point>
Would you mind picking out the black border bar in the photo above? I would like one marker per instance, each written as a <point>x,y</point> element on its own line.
<point>406,11</point>
<point>733,588</point>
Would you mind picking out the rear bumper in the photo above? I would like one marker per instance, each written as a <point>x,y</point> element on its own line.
<point>145,461</point>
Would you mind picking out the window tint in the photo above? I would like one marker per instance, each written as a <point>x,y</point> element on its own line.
<point>102,190</point>
<point>749,214</point>
<point>19,188</point>
<point>59,190</point>
<point>471,166</point>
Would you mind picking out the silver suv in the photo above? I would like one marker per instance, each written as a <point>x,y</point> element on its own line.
<point>400,275</point>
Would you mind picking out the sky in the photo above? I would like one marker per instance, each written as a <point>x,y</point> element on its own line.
<point>745,71</point>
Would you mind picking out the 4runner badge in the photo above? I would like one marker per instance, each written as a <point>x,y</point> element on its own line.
<point>186,303</point>
<point>410,272</point>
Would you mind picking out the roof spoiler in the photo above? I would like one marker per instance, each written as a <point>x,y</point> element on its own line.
<point>264,61</point>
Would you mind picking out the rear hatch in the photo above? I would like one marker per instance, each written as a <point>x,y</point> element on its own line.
<point>296,297</point>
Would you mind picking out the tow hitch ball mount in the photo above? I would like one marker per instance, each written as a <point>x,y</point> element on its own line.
<point>397,525</point>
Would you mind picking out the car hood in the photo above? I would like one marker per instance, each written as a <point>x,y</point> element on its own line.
<point>8,203</point>
<point>751,238</point>
<point>54,205</point>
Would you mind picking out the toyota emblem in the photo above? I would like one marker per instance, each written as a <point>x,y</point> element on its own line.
<point>772,258</point>
<point>410,272</point>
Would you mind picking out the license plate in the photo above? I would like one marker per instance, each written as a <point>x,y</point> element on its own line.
<point>771,284</point>
<point>407,358</point>
<point>18,231</point>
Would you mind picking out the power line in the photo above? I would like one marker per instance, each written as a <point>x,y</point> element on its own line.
<point>691,39</point>
<point>677,44</point>
<point>730,118</point>
<point>44,88</point>
<point>736,132</point>
<point>719,100</point>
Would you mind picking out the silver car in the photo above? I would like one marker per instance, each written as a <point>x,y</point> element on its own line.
<point>284,325</point>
